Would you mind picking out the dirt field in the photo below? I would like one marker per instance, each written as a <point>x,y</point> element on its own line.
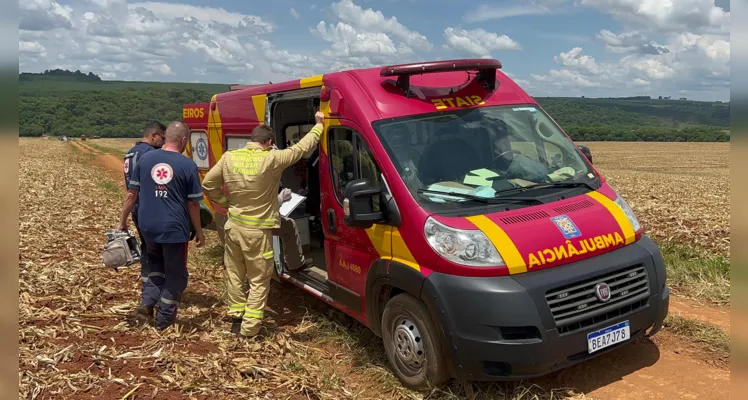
<point>680,191</point>
<point>75,341</point>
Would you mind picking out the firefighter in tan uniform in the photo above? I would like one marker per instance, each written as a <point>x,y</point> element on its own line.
<point>252,178</point>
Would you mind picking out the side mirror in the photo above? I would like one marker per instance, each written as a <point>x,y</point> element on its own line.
<point>358,204</point>
<point>586,151</point>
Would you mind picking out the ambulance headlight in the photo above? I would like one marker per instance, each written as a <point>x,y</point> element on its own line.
<point>465,247</point>
<point>628,211</point>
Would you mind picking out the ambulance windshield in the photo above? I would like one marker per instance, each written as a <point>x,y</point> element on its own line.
<point>482,155</point>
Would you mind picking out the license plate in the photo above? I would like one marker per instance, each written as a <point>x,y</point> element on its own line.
<point>608,336</point>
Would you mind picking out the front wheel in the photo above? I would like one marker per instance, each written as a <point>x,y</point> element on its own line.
<point>412,344</point>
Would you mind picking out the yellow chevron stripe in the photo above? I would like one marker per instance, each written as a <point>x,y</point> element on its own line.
<point>260,103</point>
<point>504,244</point>
<point>618,214</point>
<point>215,131</point>
<point>311,81</point>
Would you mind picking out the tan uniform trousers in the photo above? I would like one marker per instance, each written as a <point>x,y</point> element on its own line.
<point>248,255</point>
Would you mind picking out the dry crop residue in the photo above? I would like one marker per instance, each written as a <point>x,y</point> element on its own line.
<point>679,191</point>
<point>75,341</point>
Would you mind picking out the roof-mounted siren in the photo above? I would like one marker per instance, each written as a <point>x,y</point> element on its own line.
<point>486,70</point>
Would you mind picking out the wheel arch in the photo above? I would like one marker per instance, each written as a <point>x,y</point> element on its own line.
<point>385,280</point>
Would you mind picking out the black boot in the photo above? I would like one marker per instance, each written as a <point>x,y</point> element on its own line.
<point>236,325</point>
<point>145,311</point>
<point>306,264</point>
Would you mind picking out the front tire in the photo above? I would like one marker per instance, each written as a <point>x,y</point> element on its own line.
<point>412,344</point>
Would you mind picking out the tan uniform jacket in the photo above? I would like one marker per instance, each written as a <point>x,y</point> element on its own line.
<point>252,179</point>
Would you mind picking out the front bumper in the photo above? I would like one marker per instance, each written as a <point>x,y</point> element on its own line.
<point>503,328</point>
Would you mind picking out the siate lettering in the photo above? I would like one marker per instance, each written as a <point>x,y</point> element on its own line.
<point>459,101</point>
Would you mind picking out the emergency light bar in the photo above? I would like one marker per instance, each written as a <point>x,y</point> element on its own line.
<point>486,70</point>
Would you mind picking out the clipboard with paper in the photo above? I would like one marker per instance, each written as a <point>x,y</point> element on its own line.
<point>287,207</point>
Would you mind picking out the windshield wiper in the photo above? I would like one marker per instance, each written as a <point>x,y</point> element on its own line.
<point>487,200</point>
<point>455,194</point>
<point>545,185</point>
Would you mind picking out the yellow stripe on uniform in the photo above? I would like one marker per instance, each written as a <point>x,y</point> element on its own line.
<point>311,81</point>
<point>252,313</point>
<point>267,255</point>
<point>503,243</point>
<point>251,221</point>
<point>618,214</point>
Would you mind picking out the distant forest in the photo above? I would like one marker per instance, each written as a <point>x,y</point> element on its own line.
<point>60,102</point>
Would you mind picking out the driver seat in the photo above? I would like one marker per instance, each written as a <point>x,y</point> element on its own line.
<point>447,160</point>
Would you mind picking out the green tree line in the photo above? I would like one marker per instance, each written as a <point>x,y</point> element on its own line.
<point>116,113</point>
<point>60,102</point>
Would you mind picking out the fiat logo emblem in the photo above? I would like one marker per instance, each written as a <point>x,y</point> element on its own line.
<point>602,291</point>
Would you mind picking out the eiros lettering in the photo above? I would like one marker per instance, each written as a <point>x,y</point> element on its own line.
<point>193,113</point>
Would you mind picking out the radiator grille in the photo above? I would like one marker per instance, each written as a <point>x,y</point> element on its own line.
<point>575,306</point>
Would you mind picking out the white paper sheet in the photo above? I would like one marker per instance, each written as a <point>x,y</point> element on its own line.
<point>479,177</point>
<point>287,207</point>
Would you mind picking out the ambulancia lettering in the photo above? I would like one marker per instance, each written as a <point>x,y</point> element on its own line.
<point>572,249</point>
<point>459,101</point>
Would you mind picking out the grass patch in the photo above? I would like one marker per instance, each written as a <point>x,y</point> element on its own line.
<point>106,149</point>
<point>696,274</point>
<point>704,335</point>
<point>111,188</point>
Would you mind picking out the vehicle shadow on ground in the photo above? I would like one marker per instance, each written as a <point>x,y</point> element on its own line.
<point>605,369</point>
<point>369,350</point>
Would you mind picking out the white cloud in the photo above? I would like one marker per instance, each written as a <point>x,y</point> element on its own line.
<point>698,16</point>
<point>158,40</point>
<point>485,12</point>
<point>370,20</point>
<point>694,63</point>
<point>34,48</point>
<point>629,42</point>
<point>219,16</point>
<point>295,13</point>
<point>477,42</point>
<point>42,15</point>
<point>573,59</point>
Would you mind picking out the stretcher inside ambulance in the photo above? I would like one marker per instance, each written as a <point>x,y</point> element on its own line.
<point>450,214</point>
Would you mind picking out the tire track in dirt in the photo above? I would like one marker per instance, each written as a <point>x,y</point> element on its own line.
<point>109,162</point>
<point>718,316</point>
<point>665,366</point>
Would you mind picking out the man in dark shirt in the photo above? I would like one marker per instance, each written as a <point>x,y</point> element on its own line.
<point>153,138</point>
<point>167,186</point>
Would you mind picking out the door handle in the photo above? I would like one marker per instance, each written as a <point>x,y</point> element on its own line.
<point>331,225</point>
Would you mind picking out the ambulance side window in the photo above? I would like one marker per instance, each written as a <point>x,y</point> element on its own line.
<point>341,159</point>
<point>347,164</point>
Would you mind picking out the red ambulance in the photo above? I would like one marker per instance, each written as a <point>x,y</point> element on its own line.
<point>450,214</point>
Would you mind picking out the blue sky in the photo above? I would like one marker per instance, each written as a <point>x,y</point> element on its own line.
<point>551,47</point>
